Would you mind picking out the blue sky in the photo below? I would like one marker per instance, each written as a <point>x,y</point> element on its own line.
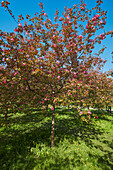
<point>31,7</point>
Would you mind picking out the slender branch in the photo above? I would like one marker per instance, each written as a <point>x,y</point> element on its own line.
<point>10,12</point>
<point>29,86</point>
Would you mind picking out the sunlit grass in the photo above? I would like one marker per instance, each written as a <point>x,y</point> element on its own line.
<point>25,141</point>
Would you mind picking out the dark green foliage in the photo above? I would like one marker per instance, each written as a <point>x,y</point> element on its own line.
<point>25,141</point>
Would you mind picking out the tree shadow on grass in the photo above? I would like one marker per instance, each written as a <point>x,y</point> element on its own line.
<point>73,129</point>
<point>24,131</point>
<point>94,137</point>
<point>104,115</point>
<point>21,133</point>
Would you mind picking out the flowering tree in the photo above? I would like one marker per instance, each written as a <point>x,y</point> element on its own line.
<point>40,58</point>
<point>99,89</point>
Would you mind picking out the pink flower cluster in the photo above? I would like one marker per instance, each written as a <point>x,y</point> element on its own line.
<point>95,18</point>
<point>89,112</point>
<point>80,113</point>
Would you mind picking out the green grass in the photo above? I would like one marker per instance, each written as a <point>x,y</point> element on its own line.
<point>25,142</point>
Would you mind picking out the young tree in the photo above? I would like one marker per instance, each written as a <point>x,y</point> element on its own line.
<point>42,58</point>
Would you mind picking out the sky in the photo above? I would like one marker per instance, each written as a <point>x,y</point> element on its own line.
<point>30,7</point>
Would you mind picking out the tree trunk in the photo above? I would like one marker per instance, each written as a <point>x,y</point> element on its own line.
<point>53,126</point>
<point>6,116</point>
<point>106,107</point>
<point>88,107</point>
<point>47,109</point>
<point>109,109</point>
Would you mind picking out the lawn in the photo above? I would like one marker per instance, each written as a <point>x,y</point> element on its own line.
<point>25,141</point>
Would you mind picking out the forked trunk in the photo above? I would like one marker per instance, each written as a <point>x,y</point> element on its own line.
<point>53,126</point>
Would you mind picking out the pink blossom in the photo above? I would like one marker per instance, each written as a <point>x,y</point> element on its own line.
<point>12,39</point>
<point>83,8</point>
<point>95,23</point>
<point>63,31</point>
<point>81,113</point>
<point>40,58</point>
<point>59,39</point>
<point>20,50</point>
<point>100,22</point>
<point>69,22</point>
<point>67,17</point>
<point>53,36</point>
<point>20,25</point>
<point>75,76</point>
<point>15,73</point>
<point>24,64</point>
<point>97,16</point>
<point>58,77</point>
<point>101,35</point>
<point>60,19</point>
<point>85,72</point>
<point>52,108</point>
<point>93,19</point>
<point>45,14</point>
<point>86,26</point>
<point>42,102</point>
<point>27,33</point>
<point>4,81</point>
<point>66,70</point>
<point>54,45</point>
<point>54,100</point>
<point>89,112</point>
<point>80,36</point>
